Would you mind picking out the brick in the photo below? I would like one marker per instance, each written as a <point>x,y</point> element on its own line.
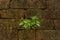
<point>4,4</point>
<point>57,24</point>
<point>46,24</point>
<point>1,36</point>
<point>36,3</point>
<point>40,13</point>
<point>18,3</point>
<point>53,7</point>
<point>19,13</point>
<point>47,14</point>
<point>26,35</point>
<point>47,35</point>
<point>34,12</point>
<point>12,13</point>
<point>8,23</point>
<point>13,35</point>
<point>27,4</point>
<point>56,14</point>
<point>50,14</point>
<point>5,33</point>
<point>53,4</point>
<point>8,29</point>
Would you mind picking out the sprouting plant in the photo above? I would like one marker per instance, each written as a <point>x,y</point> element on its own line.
<point>25,23</point>
<point>34,22</point>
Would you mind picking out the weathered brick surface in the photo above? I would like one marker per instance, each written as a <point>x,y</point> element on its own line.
<point>53,4</point>
<point>19,13</point>
<point>14,23</point>
<point>52,14</point>
<point>46,24</point>
<point>12,13</point>
<point>27,4</point>
<point>53,8</point>
<point>4,4</point>
<point>47,34</point>
<point>13,35</point>
<point>26,35</point>
<point>57,24</point>
<point>7,33</point>
<point>33,12</point>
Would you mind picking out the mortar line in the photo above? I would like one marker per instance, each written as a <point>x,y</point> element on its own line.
<point>43,18</point>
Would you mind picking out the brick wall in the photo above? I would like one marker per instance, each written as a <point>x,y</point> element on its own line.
<point>11,12</point>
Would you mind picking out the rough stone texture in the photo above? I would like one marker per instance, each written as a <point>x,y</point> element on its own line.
<point>33,12</point>
<point>12,13</point>
<point>57,24</point>
<point>19,13</point>
<point>26,35</point>
<point>4,4</point>
<point>52,14</point>
<point>53,4</point>
<point>27,4</point>
<point>53,8</point>
<point>7,33</point>
<point>47,34</point>
<point>46,24</point>
<point>14,23</point>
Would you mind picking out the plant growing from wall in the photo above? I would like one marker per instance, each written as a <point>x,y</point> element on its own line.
<point>32,22</point>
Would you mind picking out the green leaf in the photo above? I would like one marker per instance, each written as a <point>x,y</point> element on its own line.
<point>21,23</point>
<point>37,22</point>
<point>26,23</point>
<point>38,25</point>
<point>34,17</point>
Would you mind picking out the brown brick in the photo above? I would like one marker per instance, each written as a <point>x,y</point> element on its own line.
<point>5,33</point>
<point>13,35</point>
<point>34,12</point>
<point>4,3</point>
<point>53,4</point>
<point>46,24</point>
<point>36,3</point>
<point>14,23</point>
<point>26,35</point>
<point>57,24</point>
<point>12,13</point>
<point>47,14</point>
<point>50,14</point>
<point>56,14</point>
<point>53,7</point>
<point>47,34</point>
<point>7,30</point>
<point>27,4</point>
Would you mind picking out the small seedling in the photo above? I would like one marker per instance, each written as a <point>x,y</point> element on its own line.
<point>28,23</point>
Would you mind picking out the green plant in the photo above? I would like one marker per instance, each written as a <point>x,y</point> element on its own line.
<point>27,23</point>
